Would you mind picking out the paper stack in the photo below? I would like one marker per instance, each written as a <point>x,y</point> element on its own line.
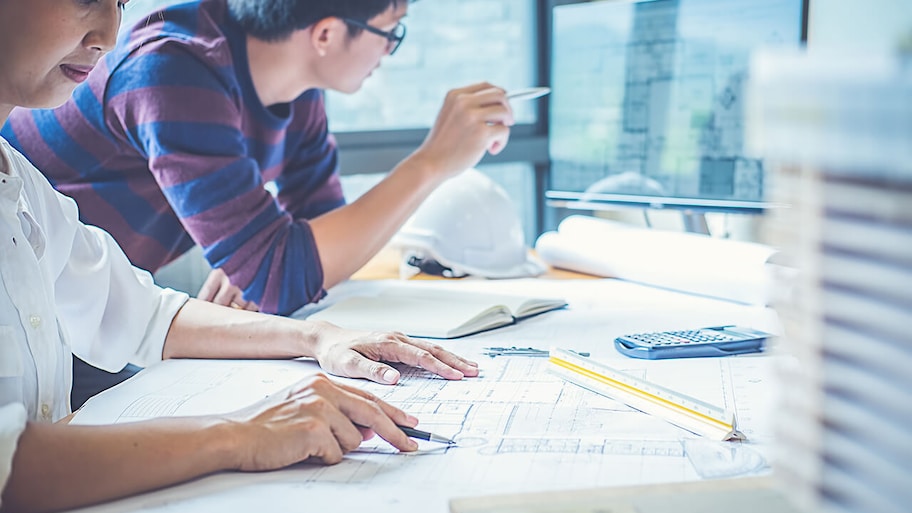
<point>838,134</point>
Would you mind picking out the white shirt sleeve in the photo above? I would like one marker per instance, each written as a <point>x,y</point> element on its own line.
<point>112,312</point>
<point>12,424</point>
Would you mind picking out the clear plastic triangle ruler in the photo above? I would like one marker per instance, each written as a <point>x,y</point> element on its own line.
<point>679,409</point>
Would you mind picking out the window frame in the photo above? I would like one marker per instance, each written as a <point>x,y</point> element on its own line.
<point>379,151</point>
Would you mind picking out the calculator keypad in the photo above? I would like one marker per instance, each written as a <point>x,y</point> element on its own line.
<point>675,338</point>
<point>704,342</point>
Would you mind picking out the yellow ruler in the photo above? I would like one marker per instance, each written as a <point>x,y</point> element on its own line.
<point>681,410</point>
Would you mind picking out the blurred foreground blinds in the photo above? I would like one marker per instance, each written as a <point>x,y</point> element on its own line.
<point>837,132</point>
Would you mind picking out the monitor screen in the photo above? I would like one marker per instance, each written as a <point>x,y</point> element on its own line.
<point>854,27</point>
<point>648,100</point>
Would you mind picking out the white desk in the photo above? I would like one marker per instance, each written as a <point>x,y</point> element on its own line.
<point>522,429</point>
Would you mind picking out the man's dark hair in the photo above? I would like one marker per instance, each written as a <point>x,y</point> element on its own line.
<point>274,20</point>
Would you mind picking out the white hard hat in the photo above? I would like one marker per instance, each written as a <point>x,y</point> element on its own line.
<point>467,226</point>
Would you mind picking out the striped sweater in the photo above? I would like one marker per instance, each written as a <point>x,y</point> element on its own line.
<point>167,145</point>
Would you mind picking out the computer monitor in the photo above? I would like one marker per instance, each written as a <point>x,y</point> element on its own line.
<point>647,104</point>
<point>855,27</point>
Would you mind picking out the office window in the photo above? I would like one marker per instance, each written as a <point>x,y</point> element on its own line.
<point>449,44</point>
<point>517,178</point>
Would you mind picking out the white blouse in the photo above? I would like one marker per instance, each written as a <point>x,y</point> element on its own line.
<point>65,288</point>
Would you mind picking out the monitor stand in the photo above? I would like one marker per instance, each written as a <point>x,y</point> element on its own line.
<point>695,222</point>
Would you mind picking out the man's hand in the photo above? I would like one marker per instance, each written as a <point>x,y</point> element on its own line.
<point>219,290</point>
<point>473,120</point>
<point>344,353</point>
<point>315,418</point>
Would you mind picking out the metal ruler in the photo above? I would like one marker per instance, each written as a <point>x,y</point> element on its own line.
<point>681,410</point>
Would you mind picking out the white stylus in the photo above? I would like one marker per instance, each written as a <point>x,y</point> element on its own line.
<point>529,93</point>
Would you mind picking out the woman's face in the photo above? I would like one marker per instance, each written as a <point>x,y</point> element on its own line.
<point>48,47</point>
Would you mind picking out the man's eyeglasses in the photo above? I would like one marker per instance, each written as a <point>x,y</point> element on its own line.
<point>393,37</point>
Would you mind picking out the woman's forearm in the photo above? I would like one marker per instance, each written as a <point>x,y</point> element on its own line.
<point>60,467</point>
<point>205,330</point>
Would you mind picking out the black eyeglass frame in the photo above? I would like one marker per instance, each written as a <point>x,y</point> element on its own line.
<point>392,37</point>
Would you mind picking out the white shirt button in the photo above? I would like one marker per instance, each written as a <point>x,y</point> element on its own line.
<point>35,321</point>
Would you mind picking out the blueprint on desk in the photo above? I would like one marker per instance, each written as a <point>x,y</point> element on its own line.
<point>519,429</point>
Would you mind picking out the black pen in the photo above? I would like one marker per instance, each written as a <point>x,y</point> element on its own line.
<point>424,435</point>
<point>421,435</point>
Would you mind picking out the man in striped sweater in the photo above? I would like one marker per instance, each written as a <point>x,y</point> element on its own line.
<point>169,141</point>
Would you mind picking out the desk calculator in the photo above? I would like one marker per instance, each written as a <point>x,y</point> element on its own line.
<point>715,341</point>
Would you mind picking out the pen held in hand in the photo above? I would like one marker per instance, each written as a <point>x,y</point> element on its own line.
<point>424,435</point>
<point>421,435</point>
<point>529,93</point>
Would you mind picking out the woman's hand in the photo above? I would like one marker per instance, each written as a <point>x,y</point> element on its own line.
<point>315,418</point>
<point>356,354</point>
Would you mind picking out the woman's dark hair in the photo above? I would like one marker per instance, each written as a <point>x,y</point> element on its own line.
<point>274,20</point>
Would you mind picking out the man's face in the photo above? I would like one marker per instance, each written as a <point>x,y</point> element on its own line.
<point>358,56</point>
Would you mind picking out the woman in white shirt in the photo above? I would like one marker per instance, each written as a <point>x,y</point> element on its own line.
<point>66,287</point>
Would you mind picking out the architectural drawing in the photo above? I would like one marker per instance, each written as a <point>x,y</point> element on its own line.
<point>519,427</point>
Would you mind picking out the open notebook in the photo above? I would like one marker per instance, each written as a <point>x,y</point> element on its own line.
<point>434,313</point>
